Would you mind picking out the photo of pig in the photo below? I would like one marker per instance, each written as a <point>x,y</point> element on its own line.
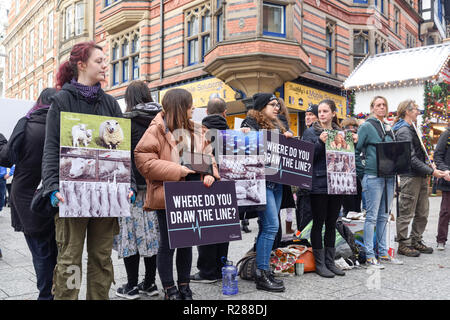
<point>93,199</point>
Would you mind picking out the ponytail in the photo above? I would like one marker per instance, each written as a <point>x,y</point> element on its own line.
<point>65,73</point>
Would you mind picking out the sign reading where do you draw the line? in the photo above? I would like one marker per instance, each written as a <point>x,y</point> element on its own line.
<point>198,215</point>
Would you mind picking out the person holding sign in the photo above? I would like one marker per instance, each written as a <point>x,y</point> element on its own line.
<point>379,191</point>
<point>78,81</point>
<point>325,208</point>
<point>158,155</point>
<point>264,115</point>
<point>413,197</point>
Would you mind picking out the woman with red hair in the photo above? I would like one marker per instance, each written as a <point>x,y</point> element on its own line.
<point>78,81</point>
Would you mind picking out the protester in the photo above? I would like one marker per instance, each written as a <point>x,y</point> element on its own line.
<point>39,231</point>
<point>264,115</point>
<point>80,91</point>
<point>413,197</point>
<point>303,213</point>
<point>352,202</point>
<point>379,191</point>
<point>139,234</point>
<point>287,201</point>
<point>442,160</point>
<point>157,157</point>
<point>324,207</point>
<point>211,257</point>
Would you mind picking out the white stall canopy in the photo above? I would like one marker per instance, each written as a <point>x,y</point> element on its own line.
<point>397,75</point>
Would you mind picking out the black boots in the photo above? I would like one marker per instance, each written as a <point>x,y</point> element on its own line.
<point>185,292</point>
<point>264,281</point>
<point>182,293</point>
<point>329,262</point>
<point>245,223</point>
<point>321,269</point>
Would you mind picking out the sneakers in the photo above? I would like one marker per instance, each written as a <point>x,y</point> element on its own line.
<point>197,278</point>
<point>408,251</point>
<point>439,246</point>
<point>390,260</point>
<point>151,290</point>
<point>374,263</point>
<point>128,293</point>
<point>422,248</point>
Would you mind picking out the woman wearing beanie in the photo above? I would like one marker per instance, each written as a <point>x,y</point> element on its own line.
<point>264,115</point>
<point>324,207</point>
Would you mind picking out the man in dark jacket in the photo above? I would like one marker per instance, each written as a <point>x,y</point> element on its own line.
<point>442,160</point>
<point>209,262</point>
<point>413,198</point>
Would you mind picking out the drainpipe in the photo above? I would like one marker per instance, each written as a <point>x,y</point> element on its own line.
<point>161,39</point>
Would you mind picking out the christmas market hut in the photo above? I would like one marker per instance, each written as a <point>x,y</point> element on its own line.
<point>421,74</point>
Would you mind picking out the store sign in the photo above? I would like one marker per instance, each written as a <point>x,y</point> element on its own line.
<point>202,91</point>
<point>297,96</point>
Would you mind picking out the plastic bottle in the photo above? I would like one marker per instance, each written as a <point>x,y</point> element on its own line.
<point>229,279</point>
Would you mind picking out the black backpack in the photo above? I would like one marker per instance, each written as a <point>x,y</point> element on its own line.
<point>382,133</point>
<point>350,239</point>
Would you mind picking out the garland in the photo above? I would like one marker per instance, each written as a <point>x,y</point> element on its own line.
<point>351,103</point>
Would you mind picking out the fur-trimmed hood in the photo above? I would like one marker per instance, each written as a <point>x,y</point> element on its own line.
<point>256,120</point>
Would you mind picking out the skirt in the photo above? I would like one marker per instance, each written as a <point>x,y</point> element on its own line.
<point>139,233</point>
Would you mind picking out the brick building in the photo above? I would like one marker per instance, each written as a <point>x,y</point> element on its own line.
<point>302,50</point>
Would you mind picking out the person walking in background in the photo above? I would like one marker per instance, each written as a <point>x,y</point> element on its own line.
<point>80,92</point>
<point>442,160</point>
<point>413,197</point>
<point>39,231</point>
<point>4,175</point>
<point>139,234</point>
<point>8,186</point>
<point>379,191</point>
<point>324,207</point>
<point>211,257</point>
<point>264,115</point>
<point>303,211</point>
<point>158,156</point>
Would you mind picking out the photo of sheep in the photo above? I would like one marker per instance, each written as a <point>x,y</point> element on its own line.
<point>92,131</point>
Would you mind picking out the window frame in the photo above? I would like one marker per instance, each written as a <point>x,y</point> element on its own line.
<point>24,52</point>
<point>50,29</point>
<point>79,21</point>
<point>330,47</point>
<point>195,56</point>
<point>123,67</point>
<point>360,55</point>
<point>275,34</point>
<point>41,38</point>
<point>397,21</point>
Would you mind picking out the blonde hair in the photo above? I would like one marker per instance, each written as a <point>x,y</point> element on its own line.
<point>349,122</point>
<point>404,106</point>
<point>372,104</point>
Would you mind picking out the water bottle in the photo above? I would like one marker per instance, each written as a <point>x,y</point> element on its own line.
<point>229,279</point>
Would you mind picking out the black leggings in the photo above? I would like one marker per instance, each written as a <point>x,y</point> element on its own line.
<point>325,210</point>
<point>132,268</point>
<point>165,257</point>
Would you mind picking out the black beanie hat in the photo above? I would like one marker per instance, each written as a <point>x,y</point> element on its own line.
<point>314,108</point>
<point>260,100</point>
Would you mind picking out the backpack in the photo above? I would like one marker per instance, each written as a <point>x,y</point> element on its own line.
<point>247,266</point>
<point>9,151</point>
<point>381,132</point>
<point>345,232</point>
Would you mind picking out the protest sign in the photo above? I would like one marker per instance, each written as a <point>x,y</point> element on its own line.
<point>240,157</point>
<point>288,161</point>
<point>340,157</point>
<point>198,215</point>
<point>95,166</point>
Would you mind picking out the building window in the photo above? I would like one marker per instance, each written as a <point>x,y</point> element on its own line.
<point>10,65</point>
<point>360,46</point>
<point>330,48</point>
<point>50,79</point>
<point>17,7</point>
<point>79,18</point>
<point>31,96</point>
<point>198,30</point>
<point>50,30</point>
<point>274,23</point>
<point>40,85</point>
<point>125,58</point>
<point>218,21</point>
<point>69,22</point>
<point>16,64</point>
<point>109,2</point>
<point>396,21</point>
<point>24,52</point>
<point>31,55</point>
<point>24,97</point>
<point>41,38</point>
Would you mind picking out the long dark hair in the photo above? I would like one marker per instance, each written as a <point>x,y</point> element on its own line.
<point>333,108</point>
<point>137,92</point>
<point>176,103</point>
<point>43,101</point>
<point>69,70</point>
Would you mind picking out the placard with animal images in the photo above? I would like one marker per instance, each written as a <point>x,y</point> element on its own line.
<point>95,166</point>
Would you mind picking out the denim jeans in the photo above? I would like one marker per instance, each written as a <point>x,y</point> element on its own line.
<point>2,193</point>
<point>377,214</point>
<point>44,253</point>
<point>269,224</point>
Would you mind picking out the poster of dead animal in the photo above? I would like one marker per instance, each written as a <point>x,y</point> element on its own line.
<point>341,168</point>
<point>241,159</point>
<point>95,166</point>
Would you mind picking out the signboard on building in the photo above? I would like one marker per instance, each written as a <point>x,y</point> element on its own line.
<point>204,90</point>
<point>299,97</point>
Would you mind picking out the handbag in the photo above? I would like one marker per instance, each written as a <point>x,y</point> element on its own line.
<point>307,256</point>
<point>247,266</point>
<point>282,260</point>
<point>41,205</point>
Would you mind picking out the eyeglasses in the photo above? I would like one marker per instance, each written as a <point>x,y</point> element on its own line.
<point>274,105</point>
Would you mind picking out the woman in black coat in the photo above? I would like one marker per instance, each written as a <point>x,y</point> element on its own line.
<point>39,231</point>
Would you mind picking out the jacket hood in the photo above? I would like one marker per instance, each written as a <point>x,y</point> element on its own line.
<point>400,124</point>
<point>144,113</point>
<point>215,121</point>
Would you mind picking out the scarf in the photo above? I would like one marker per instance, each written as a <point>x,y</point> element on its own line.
<point>88,92</point>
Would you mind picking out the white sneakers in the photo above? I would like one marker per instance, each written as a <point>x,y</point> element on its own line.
<point>440,246</point>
